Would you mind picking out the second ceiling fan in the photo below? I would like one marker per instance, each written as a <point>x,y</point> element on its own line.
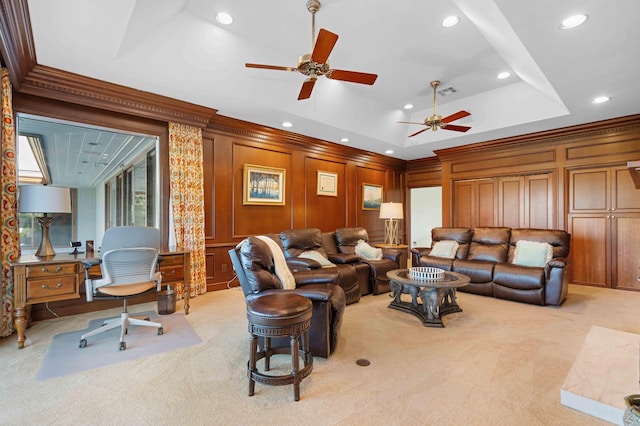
<point>316,63</point>
<point>435,122</point>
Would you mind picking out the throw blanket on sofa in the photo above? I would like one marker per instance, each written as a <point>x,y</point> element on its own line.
<point>282,270</point>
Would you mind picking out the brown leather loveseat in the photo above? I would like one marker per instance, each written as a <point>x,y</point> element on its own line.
<point>503,262</point>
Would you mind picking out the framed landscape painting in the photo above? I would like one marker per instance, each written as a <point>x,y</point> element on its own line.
<point>327,184</point>
<point>371,196</point>
<point>263,185</point>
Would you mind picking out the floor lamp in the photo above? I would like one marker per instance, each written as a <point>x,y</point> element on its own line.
<point>44,199</point>
<point>391,212</point>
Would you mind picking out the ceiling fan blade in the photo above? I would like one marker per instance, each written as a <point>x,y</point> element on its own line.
<point>307,87</point>
<point>418,132</point>
<point>352,76</point>
<point>270,67</point>
<point>408,122</point>
<point>455,128</point>
<point>324,45</point>
<point>458,115</point>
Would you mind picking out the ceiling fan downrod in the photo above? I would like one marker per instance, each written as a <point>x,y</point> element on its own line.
<point>313,6</point>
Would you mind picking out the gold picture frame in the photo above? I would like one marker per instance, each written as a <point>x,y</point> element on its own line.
<point>327,184</point>
<point>371,196</point>
<point>263,185</point>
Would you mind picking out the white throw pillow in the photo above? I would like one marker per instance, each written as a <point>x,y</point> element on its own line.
<point>445,248</point>
<point>315,255</point>
<point>365,251</point>
<point>532,253</point>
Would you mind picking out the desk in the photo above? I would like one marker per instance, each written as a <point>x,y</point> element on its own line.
<point>59,277</point>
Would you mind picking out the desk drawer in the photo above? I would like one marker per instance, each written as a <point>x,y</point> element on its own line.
<point>51,271</point>
<point>172,273</point>
<point>51,288</point>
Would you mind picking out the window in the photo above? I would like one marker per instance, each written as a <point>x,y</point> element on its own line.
<point>130,195</point>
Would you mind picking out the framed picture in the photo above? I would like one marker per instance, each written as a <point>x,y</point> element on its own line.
<point>263,185</point>
<point>371,196</point>
<point>327,183</point>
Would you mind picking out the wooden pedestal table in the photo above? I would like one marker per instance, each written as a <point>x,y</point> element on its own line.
<point>438,297</point>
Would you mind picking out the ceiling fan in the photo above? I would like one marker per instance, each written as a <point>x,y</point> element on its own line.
<point>316,64</point>
<point>435,122</point>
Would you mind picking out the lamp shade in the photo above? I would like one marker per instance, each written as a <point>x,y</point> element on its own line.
<point>44,199</point>
<point>391,211</point>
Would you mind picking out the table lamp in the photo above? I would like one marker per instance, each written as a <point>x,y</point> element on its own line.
<point>391,212</point>
<point>44,199</point>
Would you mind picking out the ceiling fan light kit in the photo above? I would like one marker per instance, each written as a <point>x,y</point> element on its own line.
<point>316,63</point>
<point>435,121</point>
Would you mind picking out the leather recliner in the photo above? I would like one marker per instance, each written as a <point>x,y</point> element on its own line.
<point>347,239</point>
<point>297,241</point>
<point>253,263</point>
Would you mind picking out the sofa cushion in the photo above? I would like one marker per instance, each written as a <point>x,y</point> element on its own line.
<point>296,241</point>
<point>347,238</point>
<point>445,248</point>
<point>477,270</point>
<point>318,257</point>
<point>460,235</point>
<point>532,253</point>
<point>518,277</point>
<point>490,244</point>
<point>365,251</point>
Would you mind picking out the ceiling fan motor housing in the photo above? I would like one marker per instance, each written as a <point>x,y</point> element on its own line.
<point>310,68</point>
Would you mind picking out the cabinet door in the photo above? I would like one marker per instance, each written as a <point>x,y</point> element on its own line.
<point>625,197</point>
<point>511,201</point>
<point>589,190</point>
<point>463,204</point>
<point>590,249</point>
<point>475,203</point>
<point>539,207</point>
<point>487,203</point>
<point>626,251</point>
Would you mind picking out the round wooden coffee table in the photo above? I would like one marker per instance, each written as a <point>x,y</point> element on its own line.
<point>438,297</point>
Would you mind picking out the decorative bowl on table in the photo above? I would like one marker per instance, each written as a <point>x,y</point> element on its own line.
<point>426,273</point>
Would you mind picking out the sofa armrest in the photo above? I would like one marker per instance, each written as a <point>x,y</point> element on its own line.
<point>302,264</point>
<point>417,253</point>
<point>392,254</point>
<point>317,276</point>
<point>558,262</point>
<point>343,258</point>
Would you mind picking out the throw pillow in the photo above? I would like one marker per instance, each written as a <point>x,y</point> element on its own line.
<point>532,253</point>
<point>365,251</point>
<point>315,255</point>
<point>445,248</point>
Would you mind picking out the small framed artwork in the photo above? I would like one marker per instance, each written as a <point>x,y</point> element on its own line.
<point>263,185</point>
<point>327,184</point>
<point>371,196</point>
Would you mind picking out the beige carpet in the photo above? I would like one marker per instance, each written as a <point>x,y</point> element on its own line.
<point>496,363</point>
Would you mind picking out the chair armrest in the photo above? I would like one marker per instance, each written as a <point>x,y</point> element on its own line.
<point>392,254</point>
<point>343,258</point>
<point>302,264</point>
<point>317,276</point>
<point>90,263</point>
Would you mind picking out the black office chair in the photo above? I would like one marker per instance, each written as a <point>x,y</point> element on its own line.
<point>129,268</point>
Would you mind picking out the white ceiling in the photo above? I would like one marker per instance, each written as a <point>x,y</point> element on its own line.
<point>176,48</point>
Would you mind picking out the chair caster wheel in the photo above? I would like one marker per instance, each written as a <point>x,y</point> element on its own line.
<point>122,346</point>
<point>83,343</point>
<point>160,331</point>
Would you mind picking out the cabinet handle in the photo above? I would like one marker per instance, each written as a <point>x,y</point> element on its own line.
<point>47,287</point>
<point>58,269</point>
<point>173,271</point>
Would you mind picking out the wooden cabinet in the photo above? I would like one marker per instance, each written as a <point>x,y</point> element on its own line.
<point>475,203</point>
<point>513,201</point>
<point>604,222</point>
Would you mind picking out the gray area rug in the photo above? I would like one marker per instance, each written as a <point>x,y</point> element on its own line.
<point>65,357</point>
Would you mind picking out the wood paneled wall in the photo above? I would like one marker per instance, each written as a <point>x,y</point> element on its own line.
<point>230,144</point>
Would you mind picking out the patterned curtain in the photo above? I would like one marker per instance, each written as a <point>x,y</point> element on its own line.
<point>187,199</point>
<point>9,234</point>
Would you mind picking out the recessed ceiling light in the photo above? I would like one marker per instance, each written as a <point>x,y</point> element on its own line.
<point>224,18</point>
<point>287,124</point>
<point>573,21</point>
<point>450,21</point>
<point>600,99</point>
<point>389,151</point>
<point>503,75</point>
<point>408,106</point>
<point>344,140</point>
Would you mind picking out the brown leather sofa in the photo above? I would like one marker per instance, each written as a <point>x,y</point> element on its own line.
<point>486,254</point>
<point>254,265</point>
<point>358,276</point>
